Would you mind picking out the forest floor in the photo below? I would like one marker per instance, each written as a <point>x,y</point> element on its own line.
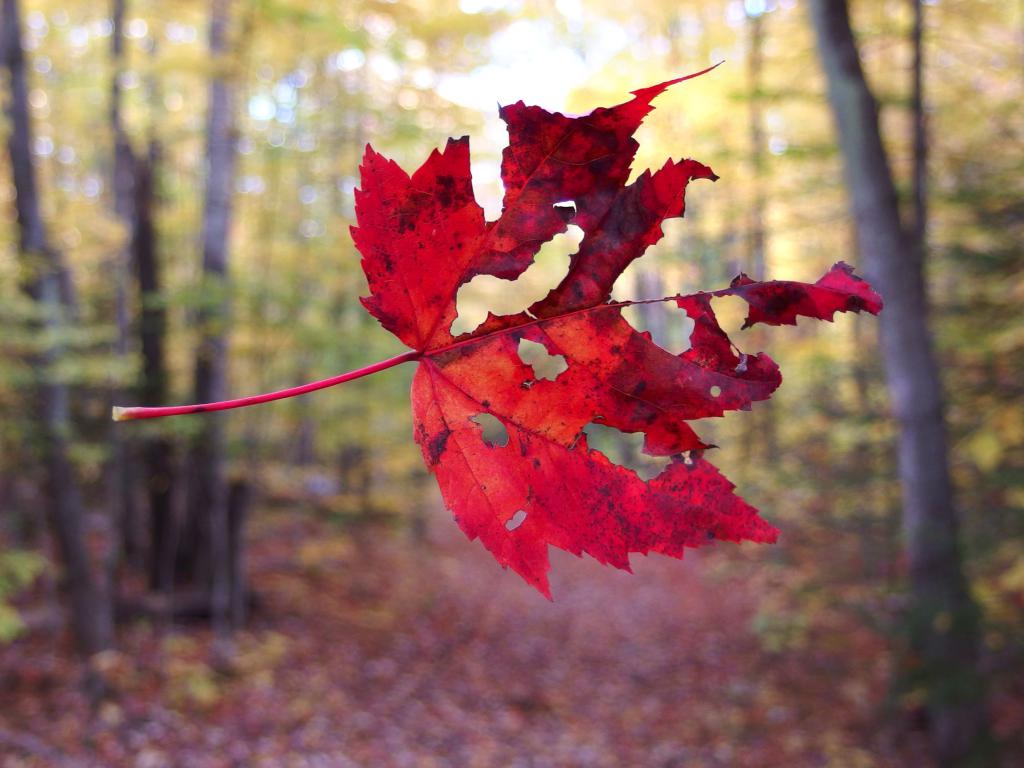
<point>371,648</point>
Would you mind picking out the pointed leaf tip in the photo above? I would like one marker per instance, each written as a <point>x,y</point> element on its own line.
<point>655,90</point>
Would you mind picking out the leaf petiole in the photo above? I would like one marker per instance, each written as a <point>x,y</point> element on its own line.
<point>120,413</point>
<point>127,414</point>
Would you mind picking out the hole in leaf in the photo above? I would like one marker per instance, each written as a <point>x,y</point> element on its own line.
<point>731,311</point>
<point>486,293</point>
<point>669,326</point>
<point>625,449</point>
<point>566,209</point>
<point>545,365</point>
<point>492,430</point>
<point>516,520</point>
<point>716,390</point>
<point>487,187</point>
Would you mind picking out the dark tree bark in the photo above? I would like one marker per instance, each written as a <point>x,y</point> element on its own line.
<point>209,487</point>
<point>239,497</point>
<point>123,465</point>
<point>944,619</point>
<point>761,441</point>
<point>157,450</point>
<point>649,286</point>
<point>47,282</point>
<point>135,202</point>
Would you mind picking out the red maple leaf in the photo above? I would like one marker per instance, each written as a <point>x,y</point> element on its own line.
<point>423,236</point>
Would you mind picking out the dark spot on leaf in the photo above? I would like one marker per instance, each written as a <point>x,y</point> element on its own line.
<point>445,192</point>
<point>437,444</point>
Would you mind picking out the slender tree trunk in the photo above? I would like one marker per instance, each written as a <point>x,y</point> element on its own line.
<point>48,283</point>
<point>755,214</point>
<point>157,449</point>
<point>239,498</point>
<point>761,442</point>
<point>123,449</point>
<point>944,618</point>
<point>647,285</point>
<point>209,492</point>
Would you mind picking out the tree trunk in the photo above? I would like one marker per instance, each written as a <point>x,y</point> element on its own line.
<point>137,175</point>
<point>209,487</point>
<point>123,465</point>
<point>755,214</point>
<point>48,283</point>
<point>649,286</point>
<point>157,449</point>
<point>239,497</point>
<point>761,441</point>
<point>944,618</point>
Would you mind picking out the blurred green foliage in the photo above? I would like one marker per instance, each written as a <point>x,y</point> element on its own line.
<point>18,569</point>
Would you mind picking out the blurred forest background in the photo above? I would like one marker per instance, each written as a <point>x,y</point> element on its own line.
<point>282,586</point>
